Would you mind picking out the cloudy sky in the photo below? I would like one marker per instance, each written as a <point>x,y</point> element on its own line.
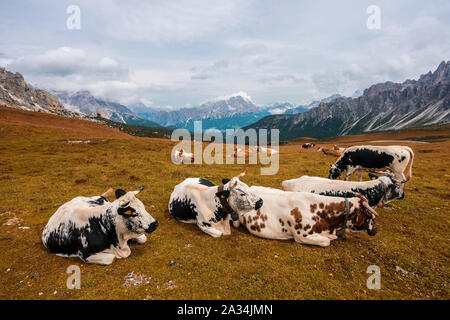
<point>178,53</point>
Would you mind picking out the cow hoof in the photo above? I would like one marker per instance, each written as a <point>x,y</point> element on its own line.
<point>141,239</point>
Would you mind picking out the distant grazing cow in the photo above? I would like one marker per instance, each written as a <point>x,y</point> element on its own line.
<point>382,190</point>
<point>332,152</point>
<point>335,147</point>
<point>180,156</point>
<point>239,153</point>
<point>374,158</point>
<point>308,218</point>
<point>211,207</point>
<point>96,230</point>
<point>268,151</point>
<point>308,145</point>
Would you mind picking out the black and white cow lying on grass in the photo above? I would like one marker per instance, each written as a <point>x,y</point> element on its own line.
<point>308,218</point>
<point>374,159</point>
<point>211,207</point>
<point>382,190</point>
<point>96,230</point>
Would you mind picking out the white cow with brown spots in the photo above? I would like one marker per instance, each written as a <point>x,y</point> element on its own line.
<point>181,156</point>
<point>307,218</point>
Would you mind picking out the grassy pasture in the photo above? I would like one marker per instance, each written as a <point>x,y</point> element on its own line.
<point>38,174</point>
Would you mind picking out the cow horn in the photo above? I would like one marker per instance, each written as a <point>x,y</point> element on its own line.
<point>242,174</point>
<point>140,190</point>
<point>107,193</point>
<point>373,212</point>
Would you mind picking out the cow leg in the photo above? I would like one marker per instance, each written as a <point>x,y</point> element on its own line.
<point>350,171</point>
<point>225,226</point>
<point>209,230</point>
<point>329,235</point>
<point>101,258</point>
<point>314,239</point>
<point>360,175</point>
<point>141,239</point>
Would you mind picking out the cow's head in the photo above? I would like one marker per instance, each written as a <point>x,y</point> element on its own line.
<point>132,212</point>
<point>239,196</point>
<point>394,187</point>
<point>364,218</point>
<point>334,172</point>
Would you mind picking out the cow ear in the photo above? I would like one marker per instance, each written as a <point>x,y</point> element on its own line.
<point>223,194</point>
<point>372,176</point>
<point>126,212</point>
<point>119,193</point>
<point>225,181</point>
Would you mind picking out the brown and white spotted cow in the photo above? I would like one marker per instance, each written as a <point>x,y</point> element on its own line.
<point>181,156</point>
<point>306,217</point>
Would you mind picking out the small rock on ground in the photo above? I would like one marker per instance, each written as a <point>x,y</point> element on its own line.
<point>13,221</point>
<point>401,271</point>
<point>171,285</point>
<point>134,280</point>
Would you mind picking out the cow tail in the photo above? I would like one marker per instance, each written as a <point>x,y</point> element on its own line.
<point>411,153</point>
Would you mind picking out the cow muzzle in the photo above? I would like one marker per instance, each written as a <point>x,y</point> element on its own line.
<point>234,216</point>
<point>373,231</point>
<point>152,227</point>
<point>259,204</point>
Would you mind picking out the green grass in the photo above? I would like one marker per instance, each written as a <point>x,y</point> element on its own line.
<point>38,175</point>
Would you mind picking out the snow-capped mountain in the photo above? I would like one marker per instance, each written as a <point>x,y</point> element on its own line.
<point>383,106</point>
<point>315,103</point>
<point>225,112</point>
<point>84,102</point>
<point>279,107</point>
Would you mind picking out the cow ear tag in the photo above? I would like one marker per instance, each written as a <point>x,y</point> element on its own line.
<point>357,219</point>
<point>222,196</point>
<point>128,212</point>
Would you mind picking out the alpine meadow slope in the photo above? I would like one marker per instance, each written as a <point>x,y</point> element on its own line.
<point>41,170</point>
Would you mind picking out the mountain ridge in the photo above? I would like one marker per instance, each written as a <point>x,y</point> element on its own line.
<point>383,106</point>
<point>16,93</point>
<point>234,111</point>
<point>84,102</point>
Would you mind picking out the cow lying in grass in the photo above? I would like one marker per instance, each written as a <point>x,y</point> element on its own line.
<point>211,207</point>
<point>382,190</point>
<point>96,230</point>
<point>181,156</point>
<point>308,218</point>
<point>268,151</point>
<point>374,159</point>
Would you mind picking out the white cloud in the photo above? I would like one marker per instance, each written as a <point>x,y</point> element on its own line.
<point>168,21</point>
<point>181,52</point>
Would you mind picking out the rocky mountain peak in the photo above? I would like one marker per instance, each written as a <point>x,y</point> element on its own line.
<point>383,106</point>
<point>16,93</point>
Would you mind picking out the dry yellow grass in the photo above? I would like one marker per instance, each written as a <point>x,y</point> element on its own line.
<point>38,174</point>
